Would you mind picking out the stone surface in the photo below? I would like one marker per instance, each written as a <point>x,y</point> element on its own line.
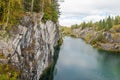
<point>30,46</point>
<point>109,41</point>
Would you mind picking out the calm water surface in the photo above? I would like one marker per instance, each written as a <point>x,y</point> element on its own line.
<point>79,61</point>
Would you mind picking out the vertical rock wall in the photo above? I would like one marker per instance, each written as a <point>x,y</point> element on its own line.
<point>31,46</point>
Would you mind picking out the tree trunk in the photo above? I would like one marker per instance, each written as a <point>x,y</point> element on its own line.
<point>8,15</point>
<point>32,4</point>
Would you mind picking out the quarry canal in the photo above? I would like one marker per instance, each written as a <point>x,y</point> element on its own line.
<point>80,61</point>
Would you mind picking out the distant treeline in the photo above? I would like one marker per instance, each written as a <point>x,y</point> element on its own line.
<point>104,24</point>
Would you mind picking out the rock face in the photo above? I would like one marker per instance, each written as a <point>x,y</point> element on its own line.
<point>105,40</point>
<point>31,46</point>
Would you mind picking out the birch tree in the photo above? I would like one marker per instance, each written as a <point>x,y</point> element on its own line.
<point>32,4</point>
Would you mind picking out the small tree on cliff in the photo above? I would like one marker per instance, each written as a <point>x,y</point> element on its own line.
<point>116,21</point>
<point>109,23</point>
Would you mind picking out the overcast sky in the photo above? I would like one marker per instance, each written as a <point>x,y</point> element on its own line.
<point>77,11</point>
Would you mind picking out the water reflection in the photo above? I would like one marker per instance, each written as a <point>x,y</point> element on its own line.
<point>48,73</point>
<point>79,61</point>
<point>109,63</point>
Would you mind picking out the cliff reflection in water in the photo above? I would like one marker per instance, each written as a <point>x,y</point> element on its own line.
<point>48,73</point>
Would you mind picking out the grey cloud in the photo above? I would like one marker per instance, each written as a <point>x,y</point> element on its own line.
<point>71,9</point>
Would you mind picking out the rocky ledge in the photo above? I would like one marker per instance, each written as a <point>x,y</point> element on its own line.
<point>105,40</point>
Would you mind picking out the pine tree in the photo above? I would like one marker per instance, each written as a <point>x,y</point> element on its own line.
<point>100,24</point>
<point>103,24</point>
<point>83,25</point>
<point>90,24</point>
<point>116,22</point>
<point>109,23</point>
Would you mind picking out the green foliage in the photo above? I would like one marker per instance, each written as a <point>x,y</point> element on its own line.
<point>27,5</point>
<point>90,24</point>
<point>51,11</point>
<point>60,41</point>
<point>11,11</point>
<point>2,56</point>
<point>1,12</point>
<point>109,23</point>
<point>36,5</point>
<point>100,38</point>
<point>83,25</point>
<point>48,73</point>
<point>7,72</point>
<point>105,24</point>
<point>65,30</point>
<point>75,26</point>
<point>116,28</point>
<point>116,21</point>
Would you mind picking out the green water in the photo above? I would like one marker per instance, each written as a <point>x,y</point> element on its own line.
<point>79,61</point>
